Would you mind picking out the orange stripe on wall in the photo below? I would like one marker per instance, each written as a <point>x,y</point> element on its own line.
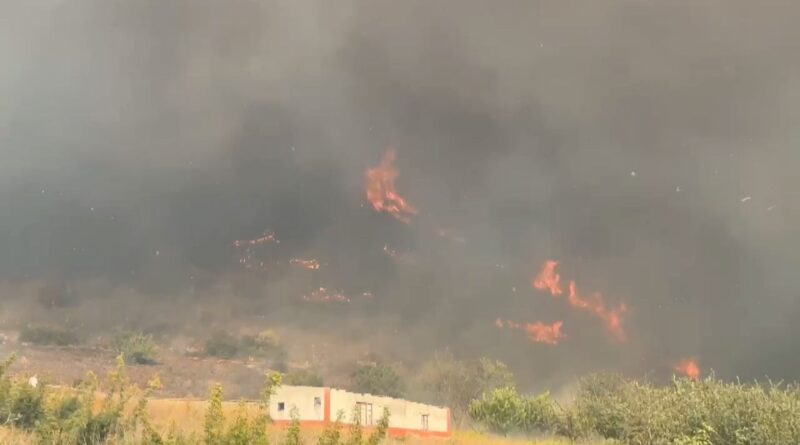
<point>327,410</point>
<point>393,432</point>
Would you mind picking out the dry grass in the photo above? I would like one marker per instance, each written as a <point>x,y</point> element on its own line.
<point>187,416</point>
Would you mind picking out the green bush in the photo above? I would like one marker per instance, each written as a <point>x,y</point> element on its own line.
<point>48,336</point>
<point>684,412</point>
<point>454,383</point>
<point>303,377</point>
<point>378,379</point>
<point>136,348</point>
<point>21,404</point>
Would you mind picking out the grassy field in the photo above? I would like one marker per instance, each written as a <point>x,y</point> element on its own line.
<point>9,437</point>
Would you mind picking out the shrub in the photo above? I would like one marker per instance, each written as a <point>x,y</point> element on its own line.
<point>293,434</point>
<point>266,344</point>
<point>136,348</point>
<point>214,425</point>
<point>303,377</point>
<point>501,411</point>
<point>48,336</point>
<point>378,379</point>
<point>685,412</point>
<point>21,405</point>
<point>222,345</point>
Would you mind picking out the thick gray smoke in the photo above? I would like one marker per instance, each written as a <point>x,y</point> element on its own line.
<point>651,147</point>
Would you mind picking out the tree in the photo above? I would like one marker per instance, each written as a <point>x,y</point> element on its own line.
<point>456,383</point>
<point>378,379</point>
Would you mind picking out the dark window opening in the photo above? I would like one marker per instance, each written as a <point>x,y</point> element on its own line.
<point>365,410</point>
<point>281,406</point>
<point>425,422</point>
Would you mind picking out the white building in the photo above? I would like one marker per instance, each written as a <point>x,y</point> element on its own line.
<point>321,406</point>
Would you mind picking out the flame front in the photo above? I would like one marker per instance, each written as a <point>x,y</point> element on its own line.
<point>247,249</point>
<point>537,332</point>
<point>596,305</point>
<point>381,191</point>
<point>543,333</point>
<point>311,264</point>
<point>323,295</point>
<point>689,368</point>
<point>548,279</point>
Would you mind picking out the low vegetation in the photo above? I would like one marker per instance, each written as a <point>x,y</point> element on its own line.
<point>685,412</point>
<point>605,407</point>
<point>48,336</point>
<point>38,414</point>
<point>265,345</point>
<point>303,377</point>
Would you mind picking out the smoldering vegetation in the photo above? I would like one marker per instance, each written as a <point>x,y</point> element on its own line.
<point>647,147</point>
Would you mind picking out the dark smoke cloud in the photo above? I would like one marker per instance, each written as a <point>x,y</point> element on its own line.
<point>647,145</point>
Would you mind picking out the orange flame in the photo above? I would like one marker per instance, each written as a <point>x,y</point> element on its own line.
<point>311,264</point>
<point>689,368</point>
<point>543,333</point>
<point>381,191</point>
<point>595,304</point>
<point>548,279</point>
<point>537,332</point>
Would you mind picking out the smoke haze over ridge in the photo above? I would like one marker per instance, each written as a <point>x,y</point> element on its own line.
<point>648,146</point>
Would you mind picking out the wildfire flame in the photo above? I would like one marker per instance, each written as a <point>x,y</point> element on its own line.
<point>537,332</point>
<point>543,333</point>
<point>595,304</point>
<point>266,237</point>
<point>323,295</point>
<point>248,251</point>
<point>689,368</point>
<point>381,191</point>
<point>549,280</point>
<point>311,264</point>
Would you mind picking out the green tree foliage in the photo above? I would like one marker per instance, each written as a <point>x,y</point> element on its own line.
<point>381,429</point>
<point>332,433</point>
<point>378,379</point>
<point>21,405</point>
<point>692,412</point>
<point>214,425</point>
<point>456,383</point>
<point>293,434</point>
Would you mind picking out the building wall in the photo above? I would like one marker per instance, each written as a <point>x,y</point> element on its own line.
<point>322,406</point>
<point>402,413</point>
<point>303,398</point>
